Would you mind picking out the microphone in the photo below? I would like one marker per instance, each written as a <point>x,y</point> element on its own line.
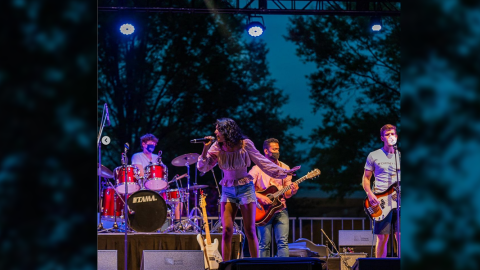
<point>107,115</point>
<point>201,140</point>
<point>127,146</point>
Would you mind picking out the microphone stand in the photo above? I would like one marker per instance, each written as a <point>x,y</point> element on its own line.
<point>333,245</point>
<point>125,211</point>
<point>99,169</point>
<point>398,202</point>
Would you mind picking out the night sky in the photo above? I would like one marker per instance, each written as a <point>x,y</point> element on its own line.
<point>289,72</point>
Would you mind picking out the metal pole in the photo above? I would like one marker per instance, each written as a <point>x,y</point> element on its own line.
<point>398,204</point>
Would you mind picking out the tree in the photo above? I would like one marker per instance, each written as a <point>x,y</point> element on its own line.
<point>176,75</point>
<point>356,90</point>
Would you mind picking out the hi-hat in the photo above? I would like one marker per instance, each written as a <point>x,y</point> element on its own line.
<point>182,160</point>
<point>105,172</point>
<point>197,187</point>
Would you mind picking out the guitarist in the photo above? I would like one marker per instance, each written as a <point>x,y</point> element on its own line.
<point>381,163</point>
<point>280,220</point>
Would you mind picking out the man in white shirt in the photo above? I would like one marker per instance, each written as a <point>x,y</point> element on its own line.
<point>381,163</point>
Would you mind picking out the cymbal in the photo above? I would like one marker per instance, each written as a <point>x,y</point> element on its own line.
<point>105,172</point>
<point>197,187</point>
<point>180,161</point>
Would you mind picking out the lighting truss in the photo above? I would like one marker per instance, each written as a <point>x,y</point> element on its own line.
<point>281,7</point>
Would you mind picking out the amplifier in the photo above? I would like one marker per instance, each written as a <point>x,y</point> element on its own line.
<point>350,258</point>
<point>356,238</point>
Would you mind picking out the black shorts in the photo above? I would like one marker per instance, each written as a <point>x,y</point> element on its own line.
<point>385,226</point>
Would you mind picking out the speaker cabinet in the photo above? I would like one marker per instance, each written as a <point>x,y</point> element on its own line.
<point>172,260</point>
<point>282,263</point>
<point>107,260</point>
<point>350,258</point>
<point>377,264</point>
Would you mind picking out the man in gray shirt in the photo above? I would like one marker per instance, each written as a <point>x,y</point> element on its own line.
<point>381,163</point>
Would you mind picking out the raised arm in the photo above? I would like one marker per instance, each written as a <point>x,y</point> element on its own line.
<point>268,167</point>
<point>208,159</point>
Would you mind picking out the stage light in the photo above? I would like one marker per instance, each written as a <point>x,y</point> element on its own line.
<point>127,29</point>
<point>376,23</point>
<point>255,28</point>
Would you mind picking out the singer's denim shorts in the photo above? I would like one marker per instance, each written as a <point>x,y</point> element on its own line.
<point>241,195</point>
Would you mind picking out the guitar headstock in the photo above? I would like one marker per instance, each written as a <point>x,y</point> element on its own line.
<point>202,202</point>
<point>314,173</point>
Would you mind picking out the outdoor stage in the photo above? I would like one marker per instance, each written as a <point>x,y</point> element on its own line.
<point>138,242</point>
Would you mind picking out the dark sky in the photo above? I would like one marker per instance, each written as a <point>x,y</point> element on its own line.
<point>289,72</point>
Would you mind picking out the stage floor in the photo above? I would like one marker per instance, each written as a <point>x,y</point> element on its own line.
<point>138,242</point>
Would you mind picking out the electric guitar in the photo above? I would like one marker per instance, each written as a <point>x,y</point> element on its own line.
<point>265,212</point>
<point>212,256</point>
<point>387,203</point>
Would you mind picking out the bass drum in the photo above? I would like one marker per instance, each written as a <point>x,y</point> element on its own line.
<point>150,211</point>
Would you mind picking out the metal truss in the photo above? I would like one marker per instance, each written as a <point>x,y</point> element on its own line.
<point>278,7</point>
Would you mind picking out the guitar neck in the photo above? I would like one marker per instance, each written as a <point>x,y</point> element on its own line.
<point>207,229</point>
<point>287,188</point>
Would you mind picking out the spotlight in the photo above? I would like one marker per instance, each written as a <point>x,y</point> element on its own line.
<point>254,28</point>
<point>127,29</point>
<point>376,23</point>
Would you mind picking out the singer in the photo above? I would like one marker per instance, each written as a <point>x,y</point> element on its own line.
<point>233,152</point>
<point>381,163</point>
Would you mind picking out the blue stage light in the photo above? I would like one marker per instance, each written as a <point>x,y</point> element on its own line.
<point>376,23</point>
<point>127,29</point>
<point>255,29</point>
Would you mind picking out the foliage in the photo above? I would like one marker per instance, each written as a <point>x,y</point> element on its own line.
<point>355,89</point>
<point>176,75</point>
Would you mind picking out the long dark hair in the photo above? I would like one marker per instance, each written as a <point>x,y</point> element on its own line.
<point>230,130</point>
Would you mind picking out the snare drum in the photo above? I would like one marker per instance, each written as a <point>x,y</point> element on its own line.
<point>172,196</point>
<point>133,181</point>
<point>112,206</point>
<point>156,176</point>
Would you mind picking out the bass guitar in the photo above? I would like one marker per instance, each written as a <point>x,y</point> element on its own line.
<point>212,256</point>
<point>265,212</point>
<point>388,202</point>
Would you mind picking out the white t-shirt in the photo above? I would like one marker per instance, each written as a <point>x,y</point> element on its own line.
<point>383,166</point>
<point>142,159</point>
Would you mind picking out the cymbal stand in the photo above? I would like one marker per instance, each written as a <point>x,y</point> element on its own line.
<point>195,212</point>
<point>175,227</point>
<point>188,221</point>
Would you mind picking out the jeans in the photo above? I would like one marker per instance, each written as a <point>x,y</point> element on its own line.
<point>280,225</point>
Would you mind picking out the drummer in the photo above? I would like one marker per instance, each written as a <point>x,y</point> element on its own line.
<point>146,157</point>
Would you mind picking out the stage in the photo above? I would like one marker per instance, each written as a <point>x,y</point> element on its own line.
<point>138,242</point>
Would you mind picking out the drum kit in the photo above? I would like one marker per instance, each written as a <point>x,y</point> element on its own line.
<point>148,197</point>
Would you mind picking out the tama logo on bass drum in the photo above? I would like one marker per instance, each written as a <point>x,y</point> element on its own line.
<point>144,199</point>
